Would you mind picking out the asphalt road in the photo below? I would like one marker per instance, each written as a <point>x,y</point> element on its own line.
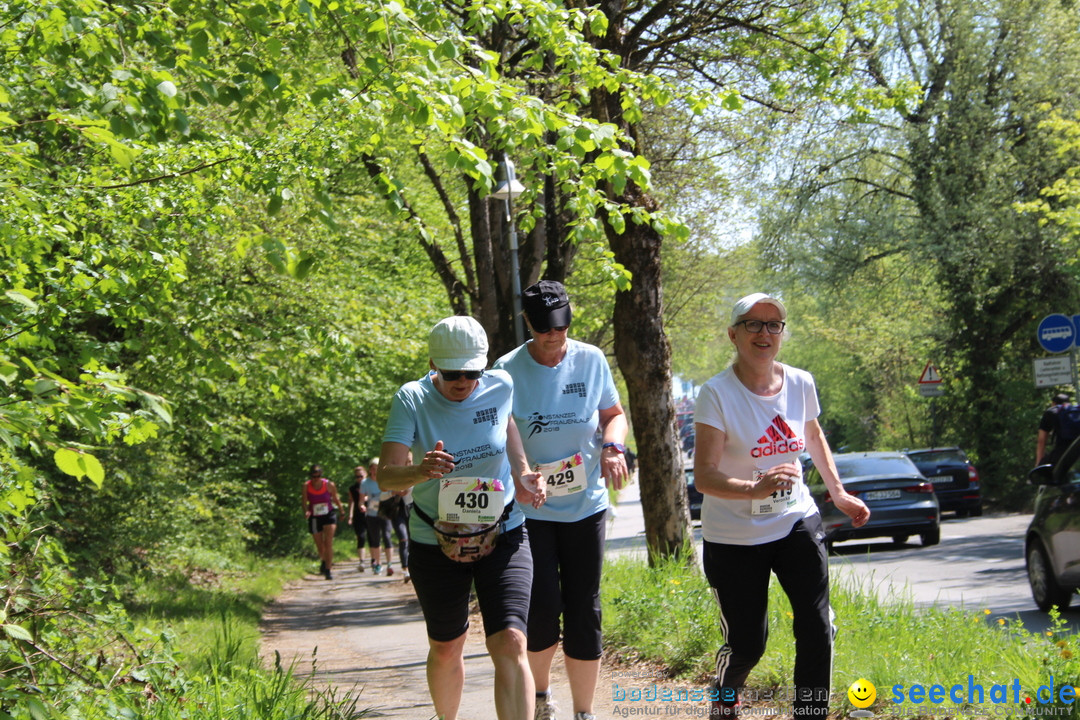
<point>979,565</point>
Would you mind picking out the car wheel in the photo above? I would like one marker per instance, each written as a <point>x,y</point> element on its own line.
<point>899,539</point>
<point>931,537</point>
<point>976,511</point>
<point>961,513</point>
<point>1044,586</point>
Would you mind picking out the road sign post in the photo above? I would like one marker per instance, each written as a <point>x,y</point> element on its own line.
<point>1057,334</point>
<point>930,386</point>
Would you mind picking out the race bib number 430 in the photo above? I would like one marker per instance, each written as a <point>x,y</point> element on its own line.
<point>471,499</point>
<point>564,477</point>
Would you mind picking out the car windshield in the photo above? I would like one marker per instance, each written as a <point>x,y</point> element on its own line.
<point>937,457</point>
<point>883,465</point>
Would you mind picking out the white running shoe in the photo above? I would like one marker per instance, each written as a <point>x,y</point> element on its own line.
<point>545,709</point>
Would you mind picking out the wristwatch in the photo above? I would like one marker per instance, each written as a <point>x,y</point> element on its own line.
<point>619,447</point>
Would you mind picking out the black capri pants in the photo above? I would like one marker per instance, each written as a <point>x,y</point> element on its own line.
<point>378,528</point>
<point>359,526</point>
<point>568,558</point>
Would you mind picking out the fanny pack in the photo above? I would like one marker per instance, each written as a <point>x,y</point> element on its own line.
<point>466,542</point>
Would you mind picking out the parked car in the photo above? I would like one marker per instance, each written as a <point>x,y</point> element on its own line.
<point>693,496</point>
<point>902,502</point>
<point>955,479</point>
<point>1052,543</point>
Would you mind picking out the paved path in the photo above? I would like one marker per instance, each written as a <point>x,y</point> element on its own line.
<point>364,635</point>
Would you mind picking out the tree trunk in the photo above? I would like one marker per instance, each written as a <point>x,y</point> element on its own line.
<point>643,353</point>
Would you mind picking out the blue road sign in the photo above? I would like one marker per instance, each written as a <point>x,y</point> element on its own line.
<point>1057,333</point>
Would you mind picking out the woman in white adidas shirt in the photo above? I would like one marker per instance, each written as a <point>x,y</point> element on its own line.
<point>752,421</point>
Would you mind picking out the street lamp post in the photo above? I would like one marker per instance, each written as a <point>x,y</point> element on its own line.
<point>507,189</point>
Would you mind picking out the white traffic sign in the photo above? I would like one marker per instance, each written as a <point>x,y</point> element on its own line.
<point>928,390</point>
<point>1053,371</point>
<point>930,375</point>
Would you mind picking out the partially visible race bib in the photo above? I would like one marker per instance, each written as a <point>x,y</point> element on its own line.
<point>564,477</point>
<point>320,509</point>
<point>778,502</point>
<point>471,499</point>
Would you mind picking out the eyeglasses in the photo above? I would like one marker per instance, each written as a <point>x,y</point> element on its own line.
<point>560,328</point>
<point>452,375</point>
<point>775,327</point>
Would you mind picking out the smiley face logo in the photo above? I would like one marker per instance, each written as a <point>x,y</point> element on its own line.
<point>862,693</point>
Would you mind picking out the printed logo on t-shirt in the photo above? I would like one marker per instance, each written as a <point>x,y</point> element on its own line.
<point>778,439</point>
<point>576,388</point>
<point>551,423</point>
<point>490,415</point>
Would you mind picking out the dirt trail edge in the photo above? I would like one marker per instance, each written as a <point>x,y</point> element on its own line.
<point>363,634</point>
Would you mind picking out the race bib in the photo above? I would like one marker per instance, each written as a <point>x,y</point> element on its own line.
<point>320,509</point>
<point>564,477</point>
<point>471,500</point>
<point>778,502</point>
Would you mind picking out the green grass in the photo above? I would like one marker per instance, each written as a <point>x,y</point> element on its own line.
<point>667,616</point>
<point>182,646</point>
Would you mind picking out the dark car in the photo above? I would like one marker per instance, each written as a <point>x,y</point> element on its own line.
<point>1052,543</point>
<point>955,479</point>
<point>693,496</point>
<point>902,502</point>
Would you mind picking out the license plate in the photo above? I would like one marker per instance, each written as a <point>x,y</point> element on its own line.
<point>934,480</point>
<point>882,495</point>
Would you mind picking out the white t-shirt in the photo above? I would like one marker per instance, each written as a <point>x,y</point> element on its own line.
<point>557,410</point>
<point>761,432</point>
<point>473,431</point>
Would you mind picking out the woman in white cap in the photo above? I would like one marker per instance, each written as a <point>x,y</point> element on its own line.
<point>457,421</point>
<point>573,428</point>
<point>752,421</point>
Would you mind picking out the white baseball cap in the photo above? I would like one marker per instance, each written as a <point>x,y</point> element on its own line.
<point>744,304</point>
<point>458,342</point>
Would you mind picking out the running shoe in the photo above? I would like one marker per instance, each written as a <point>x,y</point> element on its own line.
<point>545,709</point>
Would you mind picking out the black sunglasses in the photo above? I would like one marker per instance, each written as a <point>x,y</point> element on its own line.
<point>452,375</point>
<point>557,328</point>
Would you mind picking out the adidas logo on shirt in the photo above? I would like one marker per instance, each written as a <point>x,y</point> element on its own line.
<point>778,439</point>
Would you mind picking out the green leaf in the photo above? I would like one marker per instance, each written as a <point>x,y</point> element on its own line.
<point>167,88</point>
<point>18,632</point>
<point>79,464</point>
<point>200,44</point>
<point>303,267</point>
<point>9,372</point>
<point>68,462</point>
<point>38,710</point>
<point>19,297</point>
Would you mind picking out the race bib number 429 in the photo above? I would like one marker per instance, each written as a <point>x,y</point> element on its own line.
<point>471,499</point>
<point>564,477</point>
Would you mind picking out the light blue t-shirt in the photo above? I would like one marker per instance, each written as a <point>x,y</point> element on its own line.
<point>557,411</point>
<point>370,488</point>
<point>473,431</point>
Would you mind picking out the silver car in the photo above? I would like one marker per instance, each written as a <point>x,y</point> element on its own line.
<point>902,501</point>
